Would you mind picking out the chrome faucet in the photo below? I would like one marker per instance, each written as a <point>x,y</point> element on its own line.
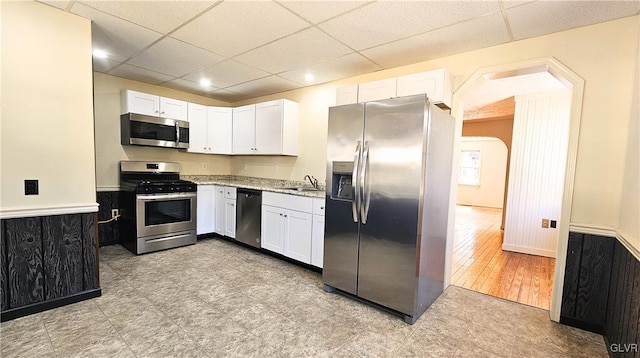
<point>312,180</point>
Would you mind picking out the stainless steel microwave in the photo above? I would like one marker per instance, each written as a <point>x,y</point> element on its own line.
<point>139,129</point>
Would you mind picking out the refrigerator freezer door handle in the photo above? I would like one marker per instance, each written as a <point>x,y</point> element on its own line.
<point>365,185</point>
<point>355,187</point>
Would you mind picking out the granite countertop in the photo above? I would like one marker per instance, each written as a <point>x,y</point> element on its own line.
<point>264,184</point>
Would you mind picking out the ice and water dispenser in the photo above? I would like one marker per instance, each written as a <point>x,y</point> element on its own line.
<point>341,179</point>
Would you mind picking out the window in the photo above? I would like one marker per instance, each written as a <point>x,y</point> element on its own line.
<point>469,167</point>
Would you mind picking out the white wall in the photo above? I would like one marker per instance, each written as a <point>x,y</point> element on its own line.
<point>47,110</point>
<point>629,225</point>
<point>109,151</point>
<point>537,172</point>
<point>493,167</point>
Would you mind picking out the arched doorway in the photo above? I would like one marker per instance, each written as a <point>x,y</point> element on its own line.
<point>547,67</point>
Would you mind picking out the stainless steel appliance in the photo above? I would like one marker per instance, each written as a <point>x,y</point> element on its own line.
<point>248,216</point>
<point>139,129</point>
<point>158,210</point>
<point>387,202</point>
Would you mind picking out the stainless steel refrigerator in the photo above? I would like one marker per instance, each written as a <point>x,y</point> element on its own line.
<point>387,202</point>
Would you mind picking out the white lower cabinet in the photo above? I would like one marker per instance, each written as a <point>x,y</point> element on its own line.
<point>317,235</point>
<point>219,205</point>
<point>289,227</point>
<point>206,213</point>
<point>230,217</point>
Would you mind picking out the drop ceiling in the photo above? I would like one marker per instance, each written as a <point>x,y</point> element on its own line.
<point>248,49</point>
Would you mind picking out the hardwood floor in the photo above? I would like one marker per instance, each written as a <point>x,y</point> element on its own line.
<point>480,264</point>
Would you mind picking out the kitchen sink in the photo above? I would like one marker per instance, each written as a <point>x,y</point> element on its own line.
<point>301,188</point>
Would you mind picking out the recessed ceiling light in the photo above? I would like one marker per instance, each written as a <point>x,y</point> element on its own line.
<point>309,77</point>
<point>98,53</point>
<point>205,82</point>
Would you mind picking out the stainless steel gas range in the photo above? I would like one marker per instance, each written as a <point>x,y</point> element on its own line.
<point>158,210</point>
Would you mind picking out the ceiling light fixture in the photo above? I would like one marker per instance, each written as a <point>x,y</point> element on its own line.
<point>205,82</point>
<point>309,77</point>
<point>98,53</point>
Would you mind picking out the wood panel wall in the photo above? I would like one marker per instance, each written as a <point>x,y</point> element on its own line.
<point>622,326</point>
<point>109,233</point>
<point>47,258</point>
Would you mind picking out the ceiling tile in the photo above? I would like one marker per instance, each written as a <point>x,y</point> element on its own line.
<point>227,73</point>
<point>187,86</point>
<point>264,86</point>
<point>388,21</point>
<point>59,4</point>
<point>104,64</point>
<point>305,47</point>
<point>237,26</point>
<point>544,17</point>
<point>346,66</point>
<point>139,74</point>
<point>161,16</point>
<point>121,39</point>
<point>184,58</point>
<point>470,35</point>
<point>317,11</point>
<point>227,96</point>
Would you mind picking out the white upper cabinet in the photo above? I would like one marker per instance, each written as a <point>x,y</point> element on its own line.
<point>244,129</point>
<point>152,105</point>
<point>377,90</point>
<point>219,129</point>
<point>436,84</point>
<point>141,103</point>
<point>209,129</point>
<point>198,134</point>
<point>173,108</point>
<point>268,128</point>
<point>347,95</point>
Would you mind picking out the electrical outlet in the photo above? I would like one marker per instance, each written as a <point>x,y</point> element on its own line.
<point>545,223</point>
<point>31,187</point>
<point>204,165</point>
<point>115,213</point>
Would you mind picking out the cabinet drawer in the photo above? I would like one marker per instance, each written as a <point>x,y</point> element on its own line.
<point>292,202</point>
<point>318,206</point>
<point>230,192</point>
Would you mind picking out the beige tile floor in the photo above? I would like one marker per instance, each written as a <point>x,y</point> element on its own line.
<point>216,299</point>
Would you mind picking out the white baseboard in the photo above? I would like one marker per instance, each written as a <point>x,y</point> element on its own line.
<point>529,250</point>
<point>108,188</point>
<point>58,210</point>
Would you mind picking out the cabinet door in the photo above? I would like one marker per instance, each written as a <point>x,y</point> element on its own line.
<point>269,127</point>
<point>220,209</point>
<point>272,228</point>
<point>317,241</point>
<point>205,217</point>
<point>173,108</point>
<point>347,95</point>
<point>436,84</point>
<point>230,217</point>
<point>244,126</point>
<point>219,130</point>
<point>377,90</point>
<point>141,103</point>
<point>197,129</point>
<point>297,237</point>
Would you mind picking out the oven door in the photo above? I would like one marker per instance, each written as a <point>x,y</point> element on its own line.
<point>159,214</point>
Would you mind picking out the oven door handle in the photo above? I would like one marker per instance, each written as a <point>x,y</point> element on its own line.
<point>172,196</point>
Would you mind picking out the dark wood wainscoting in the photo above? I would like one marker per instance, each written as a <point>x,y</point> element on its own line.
<point>108,233</point>
<point>601,292</point>
<point>47,261</point>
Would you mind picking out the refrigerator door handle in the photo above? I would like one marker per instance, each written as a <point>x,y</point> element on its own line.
<point>365,186</point>
<point>355,189</point>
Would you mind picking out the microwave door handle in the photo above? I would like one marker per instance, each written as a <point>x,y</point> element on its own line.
<point>177,134</point>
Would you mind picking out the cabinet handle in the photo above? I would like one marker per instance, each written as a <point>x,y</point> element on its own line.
<point>162,112</point>
<point>280,214</point>
<point>285,216</point>
<point>322,208</point>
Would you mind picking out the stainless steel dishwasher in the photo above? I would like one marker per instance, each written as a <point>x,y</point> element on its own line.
<point>248,216</point>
